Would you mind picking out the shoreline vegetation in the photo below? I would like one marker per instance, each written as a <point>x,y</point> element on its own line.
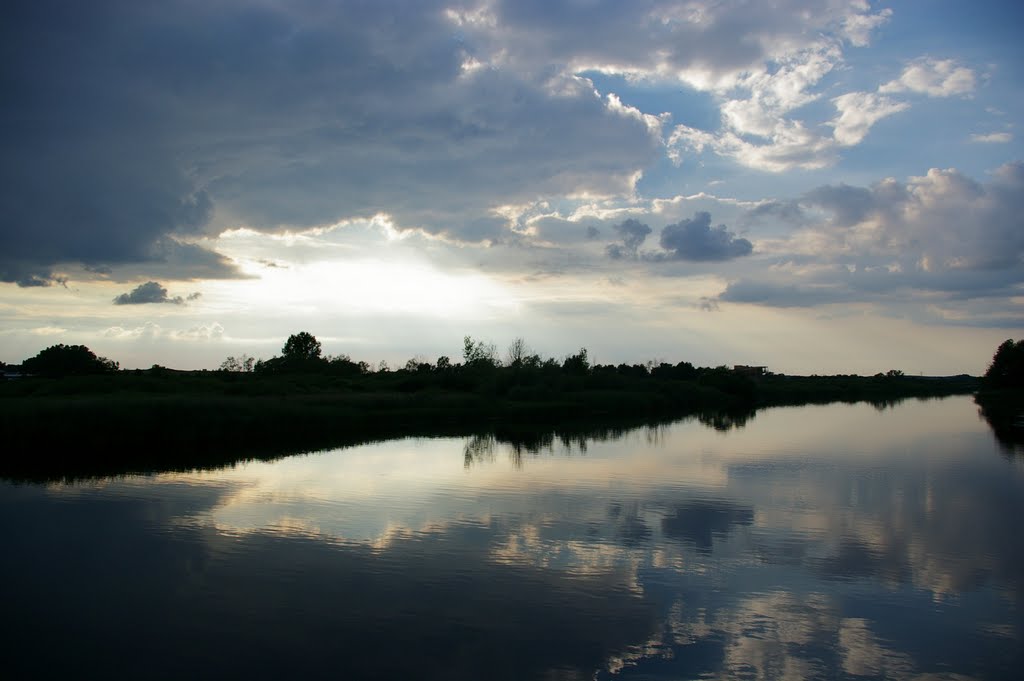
<point>79,416</point>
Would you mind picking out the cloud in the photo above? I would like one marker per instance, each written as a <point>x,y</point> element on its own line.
<point>150,292</point>
<point>187,118</point>
<point>148,331</point>
<point>695,239</point>
<point>772,94</point>
<point>934,78</point>
<point>756,132</point>
<point>788,212</point>
<point>849,205</point>
<point>944,220</point>
<point>948,245</point>
<point>858,111</point>
<point>25,275</point>
<point>993,138</point>
<point>707,46</point>
<point>757,128</point>
<point>790,146</point>
<point>633,233</point>
<point>151,331</point>
<point>857,27</point>
<point>708,304</point>
<point>771,294</point>
<point>203,332</point>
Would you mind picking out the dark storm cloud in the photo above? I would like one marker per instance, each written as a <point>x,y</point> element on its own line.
<point>87,175</point>
<point>695,239</point>
<point>126,123</point>
<point>787,212</point>
<point>773,294</point>
<point>150,292</point>
<point>190,261</point>
<point>632,233</point>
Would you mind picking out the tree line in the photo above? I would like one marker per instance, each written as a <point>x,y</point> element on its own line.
<point>302,353</point>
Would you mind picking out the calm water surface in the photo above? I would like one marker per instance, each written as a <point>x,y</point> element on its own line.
<point>815,542</point>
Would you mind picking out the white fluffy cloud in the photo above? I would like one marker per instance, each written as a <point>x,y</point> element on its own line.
<point>757,128</point>
<point>933,77</point>
<point>858,111</point>
<point>791,145</point>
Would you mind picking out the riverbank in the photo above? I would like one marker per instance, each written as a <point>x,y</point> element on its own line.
<point>159,420</point>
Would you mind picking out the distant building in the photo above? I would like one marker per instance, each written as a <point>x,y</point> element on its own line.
<point>750,370</point>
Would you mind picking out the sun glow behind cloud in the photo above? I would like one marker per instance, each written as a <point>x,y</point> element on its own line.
<point>370,286</point>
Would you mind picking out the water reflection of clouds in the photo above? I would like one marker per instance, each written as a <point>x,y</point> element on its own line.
<point>744,542</point>
<point>839,517</point>
<point>266,604</point>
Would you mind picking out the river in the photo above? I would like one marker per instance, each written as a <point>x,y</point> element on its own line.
<point>832,542</point>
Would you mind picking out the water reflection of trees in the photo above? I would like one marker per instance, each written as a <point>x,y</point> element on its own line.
<point>1005,416</point>
<point>883,404</point>
<point>724,420</point>
<point>481,449</point>
<point>523,444</point>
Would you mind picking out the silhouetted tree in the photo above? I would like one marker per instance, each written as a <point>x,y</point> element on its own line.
<point>518,351</point>
<point>301,346</point>
<point>301,354</point>
<point>577,364</point>
<point>729,382</point>
<point>243,364</point>
<point>342,365</point>
<point>418,363</point>
<point>68,360</point>
<point>479,353</point>
<point>1007,367</point>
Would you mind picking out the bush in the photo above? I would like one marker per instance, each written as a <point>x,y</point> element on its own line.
<point>68,360</point>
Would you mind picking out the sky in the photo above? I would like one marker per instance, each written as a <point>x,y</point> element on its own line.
<point>817,187</point>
